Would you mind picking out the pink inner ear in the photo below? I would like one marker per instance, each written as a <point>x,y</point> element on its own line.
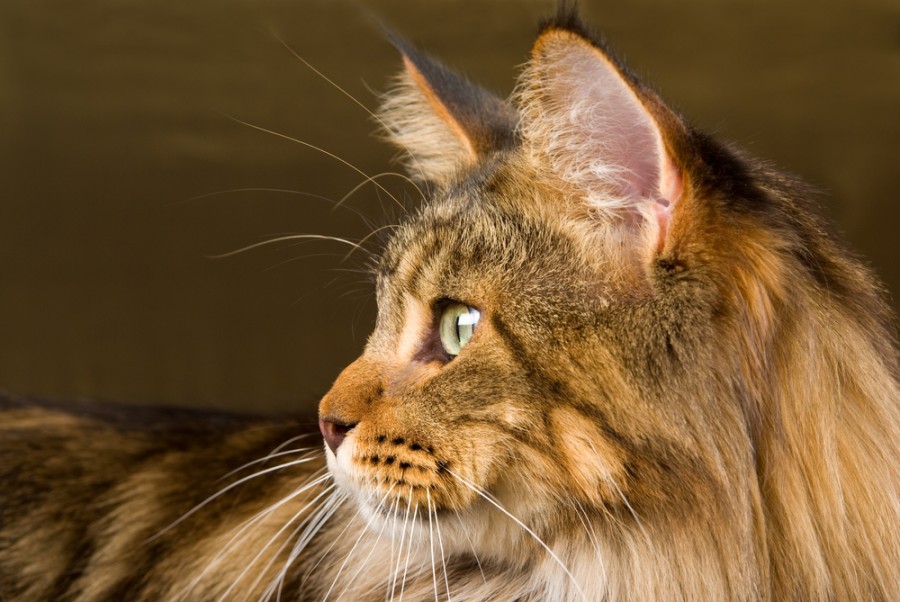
<point>670,182</point>
<point>615,128</point>
<point>670,187</point>
<point>597,133</point>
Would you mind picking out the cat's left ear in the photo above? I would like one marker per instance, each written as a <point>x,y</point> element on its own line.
<point>599,129</point>
<point>443,122</point>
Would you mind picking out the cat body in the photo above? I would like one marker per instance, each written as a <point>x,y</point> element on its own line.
<point>614,359</point>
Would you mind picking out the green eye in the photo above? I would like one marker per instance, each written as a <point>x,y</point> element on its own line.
<point>457,327</point>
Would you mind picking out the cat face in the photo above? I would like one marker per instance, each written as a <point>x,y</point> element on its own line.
<point>432,413</point>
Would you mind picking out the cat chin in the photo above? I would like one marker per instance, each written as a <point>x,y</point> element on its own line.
<point>340,467</point>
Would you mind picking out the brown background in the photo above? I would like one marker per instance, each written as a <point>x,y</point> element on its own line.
<point>114,114</point>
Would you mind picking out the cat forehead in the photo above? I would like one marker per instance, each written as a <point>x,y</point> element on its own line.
<point>487,235</point>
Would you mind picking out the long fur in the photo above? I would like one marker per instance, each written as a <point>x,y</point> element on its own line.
<point>691,400</point>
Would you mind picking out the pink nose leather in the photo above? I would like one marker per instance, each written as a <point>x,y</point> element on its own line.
<point>333,433</point>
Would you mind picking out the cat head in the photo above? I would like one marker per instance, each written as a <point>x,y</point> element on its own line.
<point>580,327</point>
<point>519,331</point>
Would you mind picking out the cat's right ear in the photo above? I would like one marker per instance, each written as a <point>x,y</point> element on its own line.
<point>443,122</point>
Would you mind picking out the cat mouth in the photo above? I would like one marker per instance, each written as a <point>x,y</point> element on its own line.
<point>390,486</point>
<point>407,485</point>
<point>389,475</point>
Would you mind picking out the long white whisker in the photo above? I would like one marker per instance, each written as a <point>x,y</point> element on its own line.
<point>412,530</point>
<point>437,524</point>
<point>317,149</point>
<point>215,193</point>
<point>362,533</point>
<point>307,537</point>
<point>281,446</point>
<point>628,505</point>
<point>622,495</point>
<point>302,193</point>
<point>370,179</point>
<point>310,527</point>
<point>334,542</point>
<point>348,95</point>
<point>270,456</point>
<point>592,535</point>
<point>525,527</point>
<point>259,554</point>
<point>306,522</point>
<point>225,490</point>
<point>236,539</point>
<point>471,544</point>
<point>367,237</point>
<point>309,521</point>
<point>325,77</point>
<point>391,569</point>
<point>284,238</point>
<point>431,547</point>
<point>400,547</point>
<point>362,565</point>
<point>249,523</point>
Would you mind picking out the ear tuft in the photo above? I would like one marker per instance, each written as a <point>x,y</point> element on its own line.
<point>443,122</point>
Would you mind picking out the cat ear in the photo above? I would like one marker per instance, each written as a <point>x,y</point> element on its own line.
<point>443,122</point>
<point>598,129</point>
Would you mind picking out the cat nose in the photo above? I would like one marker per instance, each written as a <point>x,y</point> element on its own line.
<point>334,432</point>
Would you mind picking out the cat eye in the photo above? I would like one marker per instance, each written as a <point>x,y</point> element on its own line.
<point>456,327</point>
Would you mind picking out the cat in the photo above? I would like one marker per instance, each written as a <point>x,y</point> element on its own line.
<point>614,359</point>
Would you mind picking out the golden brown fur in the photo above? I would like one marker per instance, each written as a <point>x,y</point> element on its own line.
<point>681,387</point>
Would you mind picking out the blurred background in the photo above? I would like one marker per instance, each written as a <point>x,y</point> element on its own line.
<point>124,165</point>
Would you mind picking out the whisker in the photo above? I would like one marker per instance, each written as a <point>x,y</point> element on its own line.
<point>628,505</point>
<point>412,530</point>
<point>400,547</point>
<point>524,526</point>
<point>437,524</point>
<point>251,522</point>
<point>362,533</point>
<point>331,546</point>
<point>303,193</point>
<point>362,565</point>
<point>284,238</point>
<point>391,570</point>
<point>323,76</point>
<point>367,237</point>
<point>310,528</point>
<point>268,457</point>
<point>225,490</point>
<point>431,547</point>
<point>612,480</point>
<point>259,554</point>
<point>291,440</point>
<point>592,535</point>
<point>371,113</point>
<point>317,149</point>
<point>307,537</point>
<point>371,179</point>
<point>307,522</point>
<point>410,181</point>
<point>342,256</point>
<point>471,544</point>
